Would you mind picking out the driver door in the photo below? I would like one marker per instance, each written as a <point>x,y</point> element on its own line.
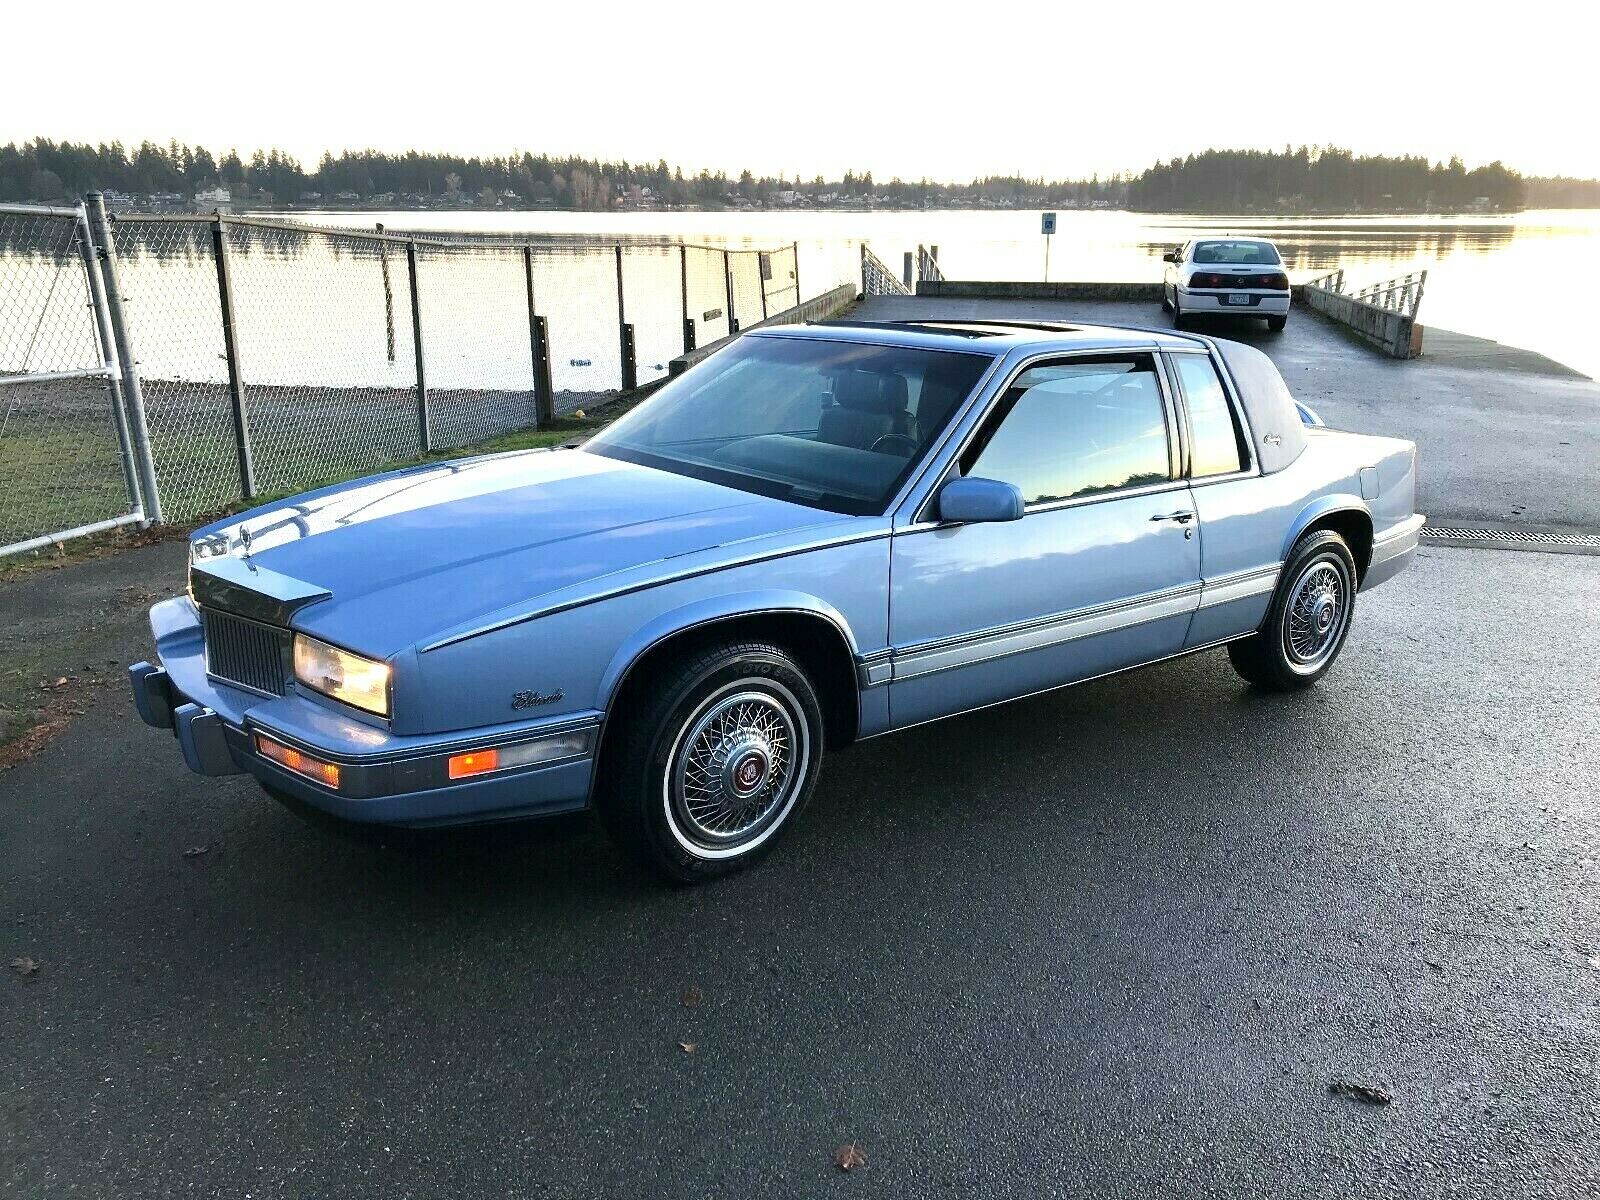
<point>1101,572</point>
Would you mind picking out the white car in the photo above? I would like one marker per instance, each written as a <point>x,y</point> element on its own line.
<point>1234,277</point>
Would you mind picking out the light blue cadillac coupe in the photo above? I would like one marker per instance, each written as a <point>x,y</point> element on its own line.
<point>820,534</point>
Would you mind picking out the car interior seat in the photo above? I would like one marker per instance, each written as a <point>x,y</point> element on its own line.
<point>867,407</point>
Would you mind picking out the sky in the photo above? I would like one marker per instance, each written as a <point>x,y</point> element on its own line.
<point>947,91</point>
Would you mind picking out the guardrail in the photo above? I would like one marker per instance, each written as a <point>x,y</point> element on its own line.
<point>877,279</point>
<point>1382,314</point>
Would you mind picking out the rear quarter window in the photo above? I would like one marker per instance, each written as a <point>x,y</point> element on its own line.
<point>1216,445</point>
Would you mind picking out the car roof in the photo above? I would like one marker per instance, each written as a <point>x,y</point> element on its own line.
<point>988,336</point>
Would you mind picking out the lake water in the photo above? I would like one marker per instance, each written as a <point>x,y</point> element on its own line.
<point>1524,279</point>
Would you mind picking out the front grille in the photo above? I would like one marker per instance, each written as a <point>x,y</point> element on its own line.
<point>245,653</point>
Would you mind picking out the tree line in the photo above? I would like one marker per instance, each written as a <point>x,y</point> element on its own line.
<point>1328,179</point>
<point>1303,179</point>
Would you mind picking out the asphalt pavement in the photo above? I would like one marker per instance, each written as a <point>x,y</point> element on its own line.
<point>1114,941</point>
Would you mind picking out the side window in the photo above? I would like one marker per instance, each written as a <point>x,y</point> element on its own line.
<point>1077,427</point>
<point>1216,448</point>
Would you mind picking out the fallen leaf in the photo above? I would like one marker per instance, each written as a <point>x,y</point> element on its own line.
<point>60,683</point>
<point>849,1156</point>
<point>690,997</point>
<point>1367,1093</point>
<point>688,1047</point>
<point>24,967</point>
<point>195,851</point>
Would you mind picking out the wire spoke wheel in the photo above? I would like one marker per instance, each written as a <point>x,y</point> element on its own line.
<point>1317,613</point>
<point>736,767</point>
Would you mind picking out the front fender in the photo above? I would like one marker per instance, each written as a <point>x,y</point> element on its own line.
<point>1315,510</point>
<point>706,611</point>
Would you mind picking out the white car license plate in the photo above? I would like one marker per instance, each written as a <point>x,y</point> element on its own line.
<point>1236,298</point>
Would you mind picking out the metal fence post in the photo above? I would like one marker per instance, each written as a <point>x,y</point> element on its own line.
<point>683,278</point>
<point>108,354</point>
<point>544,397</point>
<point>798,298</point>
<point>727,279</point>
<point>388,293</point>
<point>424,434</point>
<point>132,395</point>
<point>630,365</point>
<point>230,344</point>
<point>907,272</point>
<point>540,418</point>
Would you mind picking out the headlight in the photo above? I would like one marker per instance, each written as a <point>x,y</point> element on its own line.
<point>342,675</point>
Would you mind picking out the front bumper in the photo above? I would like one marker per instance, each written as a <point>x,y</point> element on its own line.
<point>380,778</point>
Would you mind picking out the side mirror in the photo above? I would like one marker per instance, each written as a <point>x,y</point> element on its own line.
<point>973,500</point>
<point>1170,256</point>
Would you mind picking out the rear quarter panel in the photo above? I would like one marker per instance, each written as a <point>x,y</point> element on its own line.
<point>1252,523</point>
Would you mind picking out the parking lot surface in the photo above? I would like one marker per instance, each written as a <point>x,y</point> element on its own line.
<point>1117,940</point>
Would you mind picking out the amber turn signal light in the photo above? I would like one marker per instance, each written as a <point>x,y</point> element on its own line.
<point>325,773</point>
<point>479,762</point>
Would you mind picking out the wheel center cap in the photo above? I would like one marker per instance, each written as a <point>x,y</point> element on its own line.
<point>1322,613</point>
<point>746,771</point>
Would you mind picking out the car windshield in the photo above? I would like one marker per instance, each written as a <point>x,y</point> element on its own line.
<point>830,424</point>
<point>1255,254</point>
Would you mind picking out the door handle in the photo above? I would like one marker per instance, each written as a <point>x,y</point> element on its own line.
<point>1183,516</point>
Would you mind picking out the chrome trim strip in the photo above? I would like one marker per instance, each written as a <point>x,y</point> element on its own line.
<point>972,649</point>
<point>1397,540</point>
<point>1239,585</point>
<point>1056,687</point>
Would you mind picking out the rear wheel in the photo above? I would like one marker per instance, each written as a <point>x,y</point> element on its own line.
<point>720,755</point>
<point>1276,324</point>
<point>1308,619</point>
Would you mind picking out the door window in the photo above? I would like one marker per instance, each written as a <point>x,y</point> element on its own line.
<point>1077,427</point>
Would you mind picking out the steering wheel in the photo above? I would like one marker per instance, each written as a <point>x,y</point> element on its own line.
<point>895,443</point>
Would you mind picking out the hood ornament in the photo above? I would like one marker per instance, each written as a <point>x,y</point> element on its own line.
<point>244,539</point>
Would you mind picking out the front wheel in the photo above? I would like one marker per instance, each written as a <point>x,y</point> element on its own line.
<point>719,757</point>
<point>1307,621</point>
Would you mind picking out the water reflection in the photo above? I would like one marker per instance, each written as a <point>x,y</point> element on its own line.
<point>1318,248</point>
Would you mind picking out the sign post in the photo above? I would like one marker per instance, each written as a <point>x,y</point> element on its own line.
<point>1047,226</point>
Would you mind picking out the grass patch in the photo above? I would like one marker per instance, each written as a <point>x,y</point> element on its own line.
<point>60,554</point>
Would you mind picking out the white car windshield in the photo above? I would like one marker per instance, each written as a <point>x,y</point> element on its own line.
<point>831,424</point>
<point>1255,254</point>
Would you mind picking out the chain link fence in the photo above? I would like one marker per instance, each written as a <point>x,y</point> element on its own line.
<point>270,356</point>
<point>63,462</point>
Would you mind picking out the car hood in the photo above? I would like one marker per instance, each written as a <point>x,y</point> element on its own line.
<point>415,555</point>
